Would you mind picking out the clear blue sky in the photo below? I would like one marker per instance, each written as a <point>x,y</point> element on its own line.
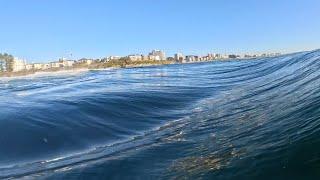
<point>43,30</point>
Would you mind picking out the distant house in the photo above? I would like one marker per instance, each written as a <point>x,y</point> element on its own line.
<point>56,65</point>
<point>37,66</point>
<point>233,56</point>
<point>217,56</point>
<point>170,59</point>
<point>18,65</point>
<point>114,57</point>
<point>210,56</point>
<point>179,57</point>
<point>68,63</point>
<point>154,57</point>
<point>145,58</point>
<point>86,61</point>
<point>46,66</point>
<point>135,57</point>
<point>224,56</point>
<point>192,58</point>
<point>157,55</point>
<point>29,67</point>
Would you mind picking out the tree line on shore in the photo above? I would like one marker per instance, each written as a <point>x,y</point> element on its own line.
<point>124,62</point>
<point>7,59</point>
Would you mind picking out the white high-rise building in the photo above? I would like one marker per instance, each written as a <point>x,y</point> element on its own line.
<point>18,65</point>
<point>179,57</point>
<point>157,55</point>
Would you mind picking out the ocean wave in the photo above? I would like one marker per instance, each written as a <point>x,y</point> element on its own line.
<point>223,120</point>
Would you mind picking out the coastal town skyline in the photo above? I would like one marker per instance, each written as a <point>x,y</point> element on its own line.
<point>45,31</point>
<point>72,56</point>
<point>11,64</point>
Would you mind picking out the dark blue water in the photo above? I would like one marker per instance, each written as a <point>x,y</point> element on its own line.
<point>249,119</point>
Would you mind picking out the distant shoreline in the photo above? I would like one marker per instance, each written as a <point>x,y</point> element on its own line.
<point>104,65</point>
<point>94,66</point>
<point>11,66</point>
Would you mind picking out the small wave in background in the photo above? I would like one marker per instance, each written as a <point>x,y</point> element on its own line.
<point>245,119</point>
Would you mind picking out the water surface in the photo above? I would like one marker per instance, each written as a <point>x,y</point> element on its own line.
<point>249,119</point>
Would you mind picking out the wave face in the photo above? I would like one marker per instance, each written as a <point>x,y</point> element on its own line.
<point>245,119</point>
